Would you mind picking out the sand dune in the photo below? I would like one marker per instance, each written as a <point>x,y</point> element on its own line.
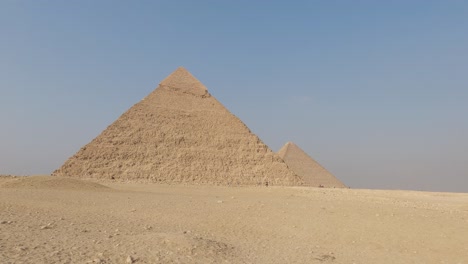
<point>43,222</point>
<point>48,182</point>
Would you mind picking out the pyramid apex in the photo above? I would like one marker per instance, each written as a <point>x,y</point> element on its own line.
<point>182,80</point>
<point>284,149</point>
<point>289,144</point>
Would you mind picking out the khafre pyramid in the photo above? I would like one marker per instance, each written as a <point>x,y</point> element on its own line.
<point>179,133</point>
<point>307,168</point>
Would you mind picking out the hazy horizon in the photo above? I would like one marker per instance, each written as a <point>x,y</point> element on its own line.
<point>375,92</point>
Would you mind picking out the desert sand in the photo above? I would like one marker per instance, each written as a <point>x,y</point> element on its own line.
<point>62,220</point>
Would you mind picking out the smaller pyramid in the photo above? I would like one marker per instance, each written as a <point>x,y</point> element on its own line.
<point>307,168</point>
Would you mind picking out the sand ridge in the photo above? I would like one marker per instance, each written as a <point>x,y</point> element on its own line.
<point>48,182</point>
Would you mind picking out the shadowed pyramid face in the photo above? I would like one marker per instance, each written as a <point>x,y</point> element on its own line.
<point>179,133</point>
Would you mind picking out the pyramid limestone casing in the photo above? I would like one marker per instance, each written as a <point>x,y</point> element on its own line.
<point>179,133</point>
<point>307,168</point>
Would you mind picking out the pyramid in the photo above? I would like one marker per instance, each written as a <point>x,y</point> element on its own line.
<point>179,133</point>
<point>307,168</point>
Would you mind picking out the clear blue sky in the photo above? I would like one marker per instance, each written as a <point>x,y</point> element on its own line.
<point>376,91</point>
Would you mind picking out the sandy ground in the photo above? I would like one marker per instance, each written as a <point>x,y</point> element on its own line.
<point>60,220</point>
